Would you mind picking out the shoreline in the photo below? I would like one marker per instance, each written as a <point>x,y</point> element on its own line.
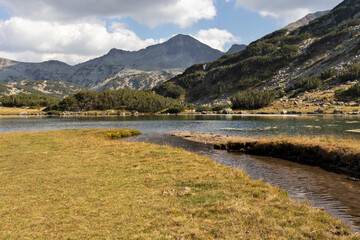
<point>340,156</point>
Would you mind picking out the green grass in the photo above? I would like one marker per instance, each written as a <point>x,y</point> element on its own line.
<point>80,184</point>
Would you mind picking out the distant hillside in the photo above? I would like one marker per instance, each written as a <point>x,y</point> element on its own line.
<point>236,48</point>
<point>47,88</point>
<point>177,53</point>
<point>305,20</point>
<point>279,61</point>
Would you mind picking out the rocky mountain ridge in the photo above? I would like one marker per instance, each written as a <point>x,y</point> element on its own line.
<point>305,20</point>
<point>173,55</point>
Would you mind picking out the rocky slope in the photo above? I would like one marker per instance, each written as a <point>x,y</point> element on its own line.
<point>305,20</point>
<point>177,53</point>
<point>280,59</point>
<point>48,88</point>
<point>136,79</point>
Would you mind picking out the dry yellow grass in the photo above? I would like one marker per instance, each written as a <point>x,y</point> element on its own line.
<point>17,111</point>
<point>79,184</point>
<point>328,152</point>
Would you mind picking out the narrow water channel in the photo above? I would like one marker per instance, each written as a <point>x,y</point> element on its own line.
<point>335,193</point>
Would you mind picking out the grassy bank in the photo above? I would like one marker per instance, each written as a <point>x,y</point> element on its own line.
<point>82,184</point>
<point>17,111</point>
<point>341,154</point>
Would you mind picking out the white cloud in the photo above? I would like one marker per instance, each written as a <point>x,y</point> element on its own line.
<point>287,10</point>
<point>181,12</point>
<point>216,38</point>
<point>29,40</point>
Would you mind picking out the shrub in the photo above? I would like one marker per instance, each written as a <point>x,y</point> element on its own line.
<point>141,101</point>
<point>170,89</point>
<point>307,84</point>
<point>28,100</point>
<point>123,133</point>
<point>204,109</point>
<point>354,91</point>
<point>351,73</point>
<point>178,108</point>
<point>252,99</point>
<point>329,73</point>
<point>220,107</point>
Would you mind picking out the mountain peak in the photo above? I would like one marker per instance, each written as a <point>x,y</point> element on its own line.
<point>305,20</point>
<point>236,48</point>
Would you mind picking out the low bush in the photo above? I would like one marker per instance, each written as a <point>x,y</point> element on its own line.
<point>220,107</point>
<point>354,91</point>
<point>252,99</point>
<point>28,100</point>
<point>178,108</point>
<point>122,133</point>
<point>307,84</point>
<point>169,89</point>
<point>204,109</point>
<point>351,73</point>
<point>329,73</point>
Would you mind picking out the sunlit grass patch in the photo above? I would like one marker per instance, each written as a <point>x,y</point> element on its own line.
<point>79,184</point>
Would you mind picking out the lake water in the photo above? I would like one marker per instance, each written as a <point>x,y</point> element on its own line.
<point>336,193</point>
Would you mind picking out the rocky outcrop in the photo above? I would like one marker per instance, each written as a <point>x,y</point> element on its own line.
<point>178,53</point>
<point>236,48</point>
<point>305,20</point>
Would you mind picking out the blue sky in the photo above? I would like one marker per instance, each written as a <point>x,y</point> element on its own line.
<point>77,30</point>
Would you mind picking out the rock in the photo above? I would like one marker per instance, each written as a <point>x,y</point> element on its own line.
<point>185,189</point>
<point>284,112</point>
<point>227,111</point>
<point>135,113</point>
<point>203,112</point>
<point>319,111</point>
<point>23,113</point>
<point>338,111</point>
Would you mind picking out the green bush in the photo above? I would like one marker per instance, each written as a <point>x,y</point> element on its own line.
<point>307,84</point>
<point>329,73</point>
<point>178,108</point>
<point>351,73</point>
<point>204,109</point>
<point>354,91</point>
<point>122,99</point>
<point>220,107</point>
<point>29,100</point>
<point>123,133</point>
<point>169,89</point>
<point>252,99</point>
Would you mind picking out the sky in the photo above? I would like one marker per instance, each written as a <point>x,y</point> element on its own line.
<point>75,31</point>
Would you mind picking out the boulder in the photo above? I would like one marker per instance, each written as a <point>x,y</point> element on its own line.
<point>227,111</point>
<point>284,112</point>
<point>338,111</point>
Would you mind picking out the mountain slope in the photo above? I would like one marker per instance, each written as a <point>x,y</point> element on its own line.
<point>305,20</point>
<point>179,52</point>
<point>47,88</point>
<point>279,59</point>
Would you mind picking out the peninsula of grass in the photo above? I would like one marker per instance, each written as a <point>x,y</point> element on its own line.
<point>331,153</point>
<point>81,184</point>
<point>17,111</point>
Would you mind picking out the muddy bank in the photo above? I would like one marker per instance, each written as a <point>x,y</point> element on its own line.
<point>339,155</point>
